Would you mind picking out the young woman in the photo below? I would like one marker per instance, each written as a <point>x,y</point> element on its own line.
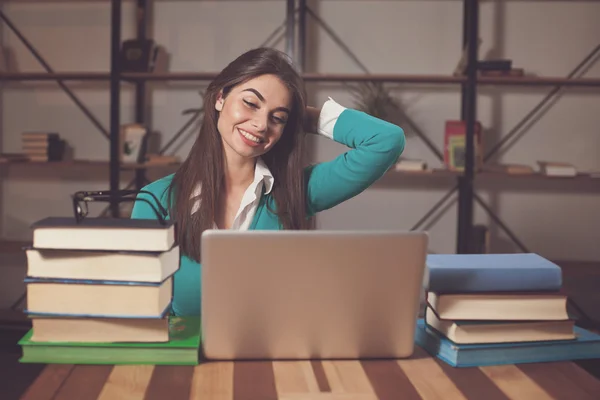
<point>246,168</point>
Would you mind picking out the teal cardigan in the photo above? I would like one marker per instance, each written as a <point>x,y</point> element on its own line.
<point>375,145</point>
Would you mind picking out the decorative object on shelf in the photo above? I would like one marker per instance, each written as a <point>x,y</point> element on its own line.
<point>555,168</point>
<point>373,98</point>
<point>513,72</point>
<point>136,55</point>
<point>455,145</point>
<point>494,65</point>
<point>43,146</point>
<point>512,169</point>
<point>143,55</point>
<point>410,165</point>
<point>593,174</point>
<point>498,67</point>
<point>133,143</point>
<point>490,68</point>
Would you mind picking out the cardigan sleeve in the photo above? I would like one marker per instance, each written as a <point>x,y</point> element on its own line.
<point>374,146</point>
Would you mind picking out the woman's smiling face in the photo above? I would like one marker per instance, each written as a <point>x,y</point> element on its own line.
<point>253,115</point>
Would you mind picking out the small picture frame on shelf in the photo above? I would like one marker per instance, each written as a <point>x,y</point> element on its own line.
<point>133,140</point>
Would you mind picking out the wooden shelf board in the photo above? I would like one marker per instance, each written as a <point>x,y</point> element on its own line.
<point>434,173</point>
<point>169,76</point>
<point>440,172</point>
<point>405,78</point>
<point>127,1</point>
<point>207,76</point>
<point>429,173</point>
<point>320,77</point>
<point>150,165</point>
<point>44,76</point>
<point>309,77</point>
<point>537,175</point>
<point>86,163</point>
<point>538,81</point>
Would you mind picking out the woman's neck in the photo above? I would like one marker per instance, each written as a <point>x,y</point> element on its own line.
<point>239,172</point>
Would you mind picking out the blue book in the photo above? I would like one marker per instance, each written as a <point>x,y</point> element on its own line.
<point>471,273</point>
<point>586,345</point>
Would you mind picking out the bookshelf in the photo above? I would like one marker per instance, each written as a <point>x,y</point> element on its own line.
<point>469,83</point>
<point>471,179</point>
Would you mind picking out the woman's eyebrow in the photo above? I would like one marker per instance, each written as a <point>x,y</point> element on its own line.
<point>256,92</point>
<point>284,109</point>
<point>261,98</point>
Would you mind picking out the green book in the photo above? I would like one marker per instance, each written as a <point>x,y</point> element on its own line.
<point>181,349</point>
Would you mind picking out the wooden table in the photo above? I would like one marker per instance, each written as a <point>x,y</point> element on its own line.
<point>420,377</point>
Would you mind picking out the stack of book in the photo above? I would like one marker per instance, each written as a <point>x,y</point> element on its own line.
<point>557,169</point>
<point>99,291</point>
<point>497,309</point>
<point>42,146</point>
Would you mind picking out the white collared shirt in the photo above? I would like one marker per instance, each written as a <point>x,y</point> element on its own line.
<point>263,177</point>
<point>249,204</point>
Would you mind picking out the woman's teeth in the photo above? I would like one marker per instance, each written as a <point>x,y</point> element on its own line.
<point>249,136</point>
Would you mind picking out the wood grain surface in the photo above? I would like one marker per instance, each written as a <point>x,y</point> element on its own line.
<point>419,377</point>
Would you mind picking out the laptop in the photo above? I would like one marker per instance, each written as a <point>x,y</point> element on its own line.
<point>292,295</point>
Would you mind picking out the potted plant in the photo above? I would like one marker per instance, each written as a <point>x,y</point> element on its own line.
<point>374,99</point>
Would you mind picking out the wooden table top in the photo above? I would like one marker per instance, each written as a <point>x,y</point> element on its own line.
<point>419,377</point>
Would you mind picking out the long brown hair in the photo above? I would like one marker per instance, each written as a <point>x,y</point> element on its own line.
<point>204,164</point>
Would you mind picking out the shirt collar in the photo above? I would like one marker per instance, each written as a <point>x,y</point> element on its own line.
<point>261,172</point>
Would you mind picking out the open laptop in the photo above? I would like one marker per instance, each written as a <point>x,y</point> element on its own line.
<point>310,294</point>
